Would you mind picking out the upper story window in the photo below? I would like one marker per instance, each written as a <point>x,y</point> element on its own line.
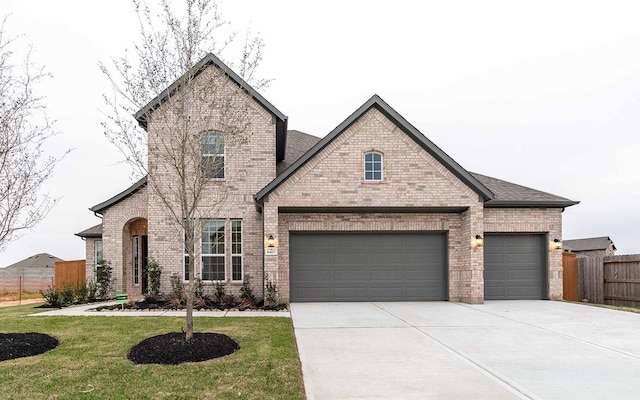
<point>373,166</point>
<point>213,155</point>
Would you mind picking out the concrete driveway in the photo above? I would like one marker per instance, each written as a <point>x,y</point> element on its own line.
<point>440,350</point>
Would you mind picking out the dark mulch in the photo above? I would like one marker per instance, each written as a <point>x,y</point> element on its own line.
<point>205,306</point>
<point>172,348</point>
<point>17,345</point>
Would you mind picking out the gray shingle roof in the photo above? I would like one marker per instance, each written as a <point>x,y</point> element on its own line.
<point>31,267</point>
<point>586,244</point>
<point>509,194</point>
<point>93,232</point>
<point>298,143</point>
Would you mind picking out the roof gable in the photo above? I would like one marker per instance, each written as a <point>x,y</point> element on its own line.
<point>376,102</point>
<point>212,60</point>
<point>100,208</point>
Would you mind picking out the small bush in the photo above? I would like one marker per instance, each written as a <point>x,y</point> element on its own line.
<point>80,293</point>
<point>154,272</point>
<point>51,297</point>
<point>92,291</point>
<point>198,289</point>
<point>66,293</point>
<point>219,292</point>
<point>177,288</point>
<point>246,294</point>
<point>229,301</point>
<point>104,278</point>
<point>272,297</point>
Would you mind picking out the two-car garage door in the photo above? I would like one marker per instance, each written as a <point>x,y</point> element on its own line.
<point>367,266</point>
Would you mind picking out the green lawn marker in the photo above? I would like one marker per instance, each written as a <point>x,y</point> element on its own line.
<point>122,298</point>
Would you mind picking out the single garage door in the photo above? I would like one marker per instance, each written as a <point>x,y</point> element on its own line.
<point>367,266</point>
<point>515,267</point>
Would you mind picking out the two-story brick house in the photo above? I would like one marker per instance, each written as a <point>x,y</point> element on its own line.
<point>372,211</point>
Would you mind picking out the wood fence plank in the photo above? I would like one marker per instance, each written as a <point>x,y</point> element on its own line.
<point>70,272</point>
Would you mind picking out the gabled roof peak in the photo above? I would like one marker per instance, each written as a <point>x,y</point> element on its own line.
<point>377,102</point>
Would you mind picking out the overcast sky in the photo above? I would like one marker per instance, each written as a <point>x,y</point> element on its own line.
<point>543,94</point>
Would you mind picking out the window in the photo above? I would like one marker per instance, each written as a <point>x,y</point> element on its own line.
<point>136,259</point>
<point>212,155</point>
<point>98,252</point>
<point>236,250</point>
<point>373,166</point>
<point>213,260</point>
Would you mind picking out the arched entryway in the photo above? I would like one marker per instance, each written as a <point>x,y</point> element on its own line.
<point>135,254</point>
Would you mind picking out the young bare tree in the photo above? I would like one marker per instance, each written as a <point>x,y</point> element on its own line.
<point>24,130</point>
<point>176,116</point>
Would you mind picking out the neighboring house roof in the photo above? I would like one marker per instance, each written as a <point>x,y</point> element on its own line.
<point>376,102</point>
<point>93,232</point>
<point>208,60</point>
<point>30,267</point>
<point>587,244</point>
<point>509,194</point>
<point>99,208</point>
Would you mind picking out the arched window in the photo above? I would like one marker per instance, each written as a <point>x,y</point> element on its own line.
<point>373,166</point>
<point>212,155</point>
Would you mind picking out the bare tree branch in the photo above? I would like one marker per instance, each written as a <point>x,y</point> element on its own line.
<point>24,130</point>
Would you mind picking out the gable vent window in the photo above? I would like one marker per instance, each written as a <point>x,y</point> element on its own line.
<point>213,155</point>
<point>373,166</point>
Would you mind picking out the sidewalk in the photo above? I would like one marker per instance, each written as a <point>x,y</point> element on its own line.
<point>86,311</point>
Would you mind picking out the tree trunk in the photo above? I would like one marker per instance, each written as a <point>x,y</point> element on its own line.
<point>189,333</point>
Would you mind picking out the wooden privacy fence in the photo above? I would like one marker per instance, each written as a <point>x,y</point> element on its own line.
<point>570,277</point>
<point>70,272</point>
<point>613,280</point>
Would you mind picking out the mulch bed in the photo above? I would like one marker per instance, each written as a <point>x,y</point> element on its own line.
<point>173,348</point>
<point>17,345</point>
<point>160,305</point>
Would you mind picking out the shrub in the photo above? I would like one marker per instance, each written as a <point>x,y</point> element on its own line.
<point>271,297</point>
<point>154,271</point>
<point>67,293</point>
<point>80,293</point>
<point>219,292</point>
<point>246,294</point>
<point>198,289</point>
<point>92,291</point>
<point>177,289</point>
<point>229,301</point>
<point>51,297</point>
<point>104,278</point>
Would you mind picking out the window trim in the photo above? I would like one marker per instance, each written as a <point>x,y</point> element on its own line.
<point>373,162</point>
<point>219,154</point>
<point>223,255</point>
<point>235,254</point>
<point>97,259</point>
<point>135,243</point>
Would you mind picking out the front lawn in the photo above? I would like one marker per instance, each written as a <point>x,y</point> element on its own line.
<point>91,360</point>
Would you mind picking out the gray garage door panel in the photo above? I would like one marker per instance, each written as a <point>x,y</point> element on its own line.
<point>367,266</point>
<point>515,267</point>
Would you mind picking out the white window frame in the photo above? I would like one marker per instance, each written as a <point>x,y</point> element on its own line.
<point>97,259</point>
<point>236,250</point>
<point>372,163</point>
<point>135,243</point>
<point>213,245</point>
<point>219,153</point>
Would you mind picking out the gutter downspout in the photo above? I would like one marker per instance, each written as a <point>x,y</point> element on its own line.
<point>260,207</point>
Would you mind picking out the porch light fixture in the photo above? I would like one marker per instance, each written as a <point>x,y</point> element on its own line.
<point>479,241</point>
<point>271,242</point>
<point>557,244</point>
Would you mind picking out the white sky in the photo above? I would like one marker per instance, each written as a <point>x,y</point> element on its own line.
<point>545,94</point>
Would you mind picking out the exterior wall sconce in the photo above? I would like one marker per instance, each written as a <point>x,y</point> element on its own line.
<point>556,244</point>
<point>479,241</point>
<point>270,246</point>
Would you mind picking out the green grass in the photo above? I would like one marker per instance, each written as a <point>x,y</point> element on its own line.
<point>93,354</point>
